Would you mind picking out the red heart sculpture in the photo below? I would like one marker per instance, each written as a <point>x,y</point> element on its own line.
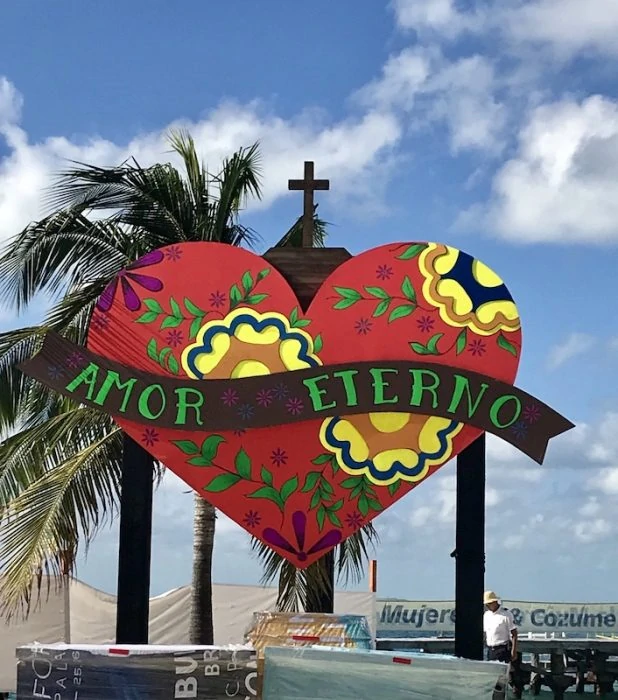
<point>208,310</point>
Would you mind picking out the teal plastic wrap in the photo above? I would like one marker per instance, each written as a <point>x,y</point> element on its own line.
<point>335,674</point>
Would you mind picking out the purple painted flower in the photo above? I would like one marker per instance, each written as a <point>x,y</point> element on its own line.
<point>150,436</point>
<point>229,397</point>
<point>425,324</point>
<point>278,457</point>
<point>173,253</point>
<point>75,360</point>
<point>174,338</point>
<point>239,431</point>
<point>252,518</point>
<point>217,299</point>
<point>477,347</point>
<point>384,272</point>
<point>520,429</point>
<point>54,372</point>
<point>280,392</point>
<point>264,397</point>
<point>299,522</point>
<point>100,322</point>
<point>126,278</point>
<point>354,520</point>
<point>363,326</point>
<point>246,411</point>
<point>295,406</point>
<point>532,413</point>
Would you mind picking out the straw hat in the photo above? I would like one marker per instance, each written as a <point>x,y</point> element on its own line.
<point>490,597</point>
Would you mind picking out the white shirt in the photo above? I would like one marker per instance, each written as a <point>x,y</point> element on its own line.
<point>498,626</point>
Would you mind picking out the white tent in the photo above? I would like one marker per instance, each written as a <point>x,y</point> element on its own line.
<point>80,614</point>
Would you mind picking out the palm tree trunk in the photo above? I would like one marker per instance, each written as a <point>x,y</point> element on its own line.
<point>201,630</point>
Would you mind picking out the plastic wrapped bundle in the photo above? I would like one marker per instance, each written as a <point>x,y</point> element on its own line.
<point>335,674</point>
<point>307,629</point>
<point>132,672</point>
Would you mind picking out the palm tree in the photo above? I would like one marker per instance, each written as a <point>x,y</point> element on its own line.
<point>60,463</point>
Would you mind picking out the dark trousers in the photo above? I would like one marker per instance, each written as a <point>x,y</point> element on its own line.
<point>499,653</point>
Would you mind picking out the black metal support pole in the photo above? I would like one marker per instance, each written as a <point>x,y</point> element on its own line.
<point>135,545</point>
<point>470,551</point>
<point>323,600</point>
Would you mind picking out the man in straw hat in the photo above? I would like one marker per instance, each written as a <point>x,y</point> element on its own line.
<point>500,630</point>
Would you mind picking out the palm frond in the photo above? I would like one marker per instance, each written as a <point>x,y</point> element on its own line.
<point>294,235</point>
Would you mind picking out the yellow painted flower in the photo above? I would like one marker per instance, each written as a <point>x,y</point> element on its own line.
<point>245,344</point>
<point>466,292</point>
<point>388,447</point>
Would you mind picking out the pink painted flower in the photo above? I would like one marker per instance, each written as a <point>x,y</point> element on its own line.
<point>354,520</point>
<point>217,299</point>
<point>363,326</point>
<point>75,360</point>
<point>252,518</point>
<point>279,457</point>
<point>173,253</point>
<point>150,436</point>
<point>384,272</point>
<point>425,324</point>
<point>295,406</point>
<point>174,338</point>
<point>230,397</point>
<point>532,413</point>
<point>264,397</point>
<point>100,322</point>
<point>477,347</point>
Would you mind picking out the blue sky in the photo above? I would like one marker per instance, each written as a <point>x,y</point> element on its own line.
<point>492,126</point>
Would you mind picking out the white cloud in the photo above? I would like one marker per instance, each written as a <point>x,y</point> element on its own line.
<point>562,185</point>
<point>576,344</point>
<point>351,151</point>
<point>433,15</point>
<point>429,89</point>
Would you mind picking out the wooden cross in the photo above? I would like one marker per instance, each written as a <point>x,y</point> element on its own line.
<point>308,185</point>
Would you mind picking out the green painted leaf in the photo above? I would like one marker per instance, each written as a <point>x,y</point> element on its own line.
<point>411,251</point>
<point>381,308</point>
<point>432,343</point>
<point>171,322</point>
<point>375,504</point>
<point>321,514</point>
<point>350,482</point>
<point>222,483</point>
<point>256,298</point>
<point>263,273</point>
<point>326,486</point>
<point>334,464</point>
<point>196,324</point>
<point>288,488</point>
<point>310,481</point>
<point>187,446</point>
<point>419,348</point>
<point>408,289</point>
<point>192,308</point>
<point>344,304</point>
<point>235,295</point>
<point>153,305</point>
<point>210,446</point>
<point>152,351</point>
<point>401,311</point>
<point>357,490</point>
<point>302,323</point>
<point>377,292</point>
<point>294,315</point>
<point>334,518</point>
<point>462,340</point>
<point>507,345</point>
<point>163,354</point>
<point>363,505</point>
<point>199,461</point>
<point>247,281</point>
<point>336,506</point>
<point>269,493</point>
<point>147,317</point>
<point>172,363</point>
<point>318,343</point>
<point>322,459</point>
<point>267,476</point>
<point>394,487</point>
<point>348,293</point>
<point>175,307</point>
<point>242,462</point>
<point>315,499</point>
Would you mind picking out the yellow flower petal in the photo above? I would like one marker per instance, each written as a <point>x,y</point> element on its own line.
<point>246,334</point>
<point>205,362</point>
<point>344,431</point>
<point>383,461</point>
<point>289,351</point>
<point>485,276</point>
<point>389,422</point>
<point>249,368</point>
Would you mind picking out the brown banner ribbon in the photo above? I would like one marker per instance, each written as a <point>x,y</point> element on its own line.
<point>288,397</point>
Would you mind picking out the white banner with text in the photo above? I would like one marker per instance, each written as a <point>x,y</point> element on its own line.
<point>403,618</point>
